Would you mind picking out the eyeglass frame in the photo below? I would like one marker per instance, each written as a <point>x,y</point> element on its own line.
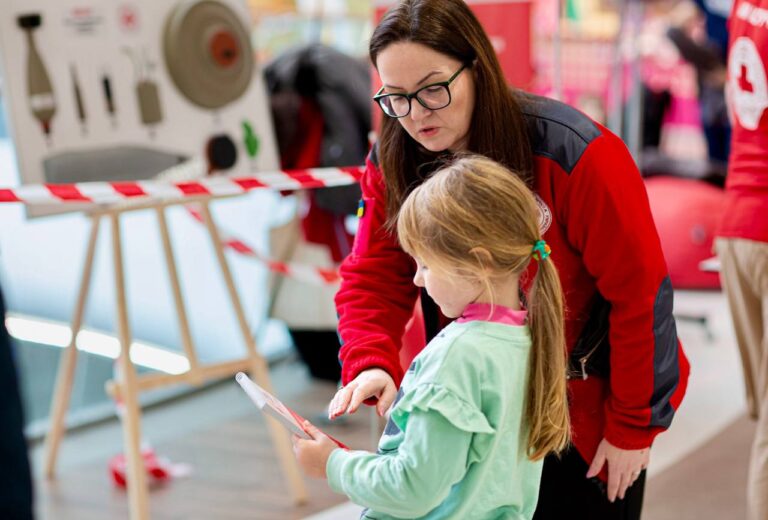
<point>414,95</point>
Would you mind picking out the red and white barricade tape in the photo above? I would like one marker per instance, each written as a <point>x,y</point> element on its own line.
<point>169,189</point>
<point>305,273</point>
<point>112,192</point>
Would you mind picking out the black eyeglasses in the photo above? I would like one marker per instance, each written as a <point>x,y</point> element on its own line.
<point>431,97</point>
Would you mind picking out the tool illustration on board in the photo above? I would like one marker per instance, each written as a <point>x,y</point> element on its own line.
<point>39,90</point>
<point>121,91</point>
<point>147,93</point>
<point>79,105</point>
<point>221,153</point>
<point>208,53</point>
<point>109,99</point>
<point>251,142</point>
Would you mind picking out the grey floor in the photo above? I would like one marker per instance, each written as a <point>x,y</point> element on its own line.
<point>220,435</point>
<point>38,365</point>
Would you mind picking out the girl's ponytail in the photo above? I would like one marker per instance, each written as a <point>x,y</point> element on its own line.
<point>547,403</point>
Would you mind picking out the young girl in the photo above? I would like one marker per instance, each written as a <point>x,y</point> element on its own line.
<point>485,401</point>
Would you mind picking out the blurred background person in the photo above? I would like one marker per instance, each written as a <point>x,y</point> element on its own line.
<point>743,236</point>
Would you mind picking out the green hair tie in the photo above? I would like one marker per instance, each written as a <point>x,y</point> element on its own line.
<point>541,250</point>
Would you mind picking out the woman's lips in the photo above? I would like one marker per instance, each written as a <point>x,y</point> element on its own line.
<point>428,131</point>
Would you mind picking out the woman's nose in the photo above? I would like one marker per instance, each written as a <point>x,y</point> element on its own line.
<point>418,111</point>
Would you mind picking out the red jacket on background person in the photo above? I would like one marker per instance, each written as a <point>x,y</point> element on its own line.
<point>746,187</point>
<point>604,244</point>
<point>742,239</point>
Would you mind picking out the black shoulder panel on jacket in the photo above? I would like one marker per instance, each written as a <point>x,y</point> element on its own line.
<point>557,131</point>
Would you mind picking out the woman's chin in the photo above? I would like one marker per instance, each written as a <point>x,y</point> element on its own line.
<point>441,144</point>
<point>433,146</point>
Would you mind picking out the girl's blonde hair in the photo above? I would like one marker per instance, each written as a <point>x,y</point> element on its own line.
<point>475,218</point>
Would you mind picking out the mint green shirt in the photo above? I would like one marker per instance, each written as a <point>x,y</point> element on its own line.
<point>454,446</point>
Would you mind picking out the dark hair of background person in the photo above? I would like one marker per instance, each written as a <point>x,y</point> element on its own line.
<point>497,129</point>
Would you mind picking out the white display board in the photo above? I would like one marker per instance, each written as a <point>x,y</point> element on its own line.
<point>103,90</point>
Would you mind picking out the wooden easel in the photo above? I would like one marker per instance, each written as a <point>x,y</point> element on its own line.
<point>128,386</point>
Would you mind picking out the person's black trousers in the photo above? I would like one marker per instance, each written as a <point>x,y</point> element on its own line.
<point>566,493</point>
<point>15,477</point>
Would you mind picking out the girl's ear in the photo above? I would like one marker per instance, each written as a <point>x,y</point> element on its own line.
<point>484,258</point>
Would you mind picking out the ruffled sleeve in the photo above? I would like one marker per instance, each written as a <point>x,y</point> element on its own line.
<point>431,397</point>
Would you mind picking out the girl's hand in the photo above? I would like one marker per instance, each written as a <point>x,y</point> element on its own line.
<point>624,466</point>
<point>373,382</point>
<point>313,454</point>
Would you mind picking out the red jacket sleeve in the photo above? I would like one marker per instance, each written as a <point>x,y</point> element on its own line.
<point>377,295</point>
<point>609,221</point>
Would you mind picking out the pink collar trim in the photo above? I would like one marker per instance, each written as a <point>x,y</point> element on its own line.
<point>482,312</point>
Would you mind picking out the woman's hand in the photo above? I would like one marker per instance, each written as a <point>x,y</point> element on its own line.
<point>624,466</point>
<point>313,453</point>
<point>373,382</point>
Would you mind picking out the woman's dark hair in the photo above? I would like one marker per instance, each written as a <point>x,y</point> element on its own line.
<point>497,129</point>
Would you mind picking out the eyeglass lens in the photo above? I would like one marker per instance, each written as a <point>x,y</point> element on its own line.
<point>433,97</point>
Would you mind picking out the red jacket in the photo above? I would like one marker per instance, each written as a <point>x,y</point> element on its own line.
<point>602,238</point>
<point>746,208</point>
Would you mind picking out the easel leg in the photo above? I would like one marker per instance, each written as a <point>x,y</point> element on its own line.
<point>178,298</point>
<point>68,362</point>
<point>259,368</point>
<point>136,476</point>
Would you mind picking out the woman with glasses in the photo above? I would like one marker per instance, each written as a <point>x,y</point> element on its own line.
<point>443,92</point>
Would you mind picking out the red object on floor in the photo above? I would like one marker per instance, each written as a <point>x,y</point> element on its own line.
<point>157,469</point>
<point>687,213</point>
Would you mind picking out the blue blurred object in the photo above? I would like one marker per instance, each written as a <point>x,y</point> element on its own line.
<point>715,18</point>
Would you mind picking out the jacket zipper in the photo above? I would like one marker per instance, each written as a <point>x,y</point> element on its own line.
<point>585,358</point>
